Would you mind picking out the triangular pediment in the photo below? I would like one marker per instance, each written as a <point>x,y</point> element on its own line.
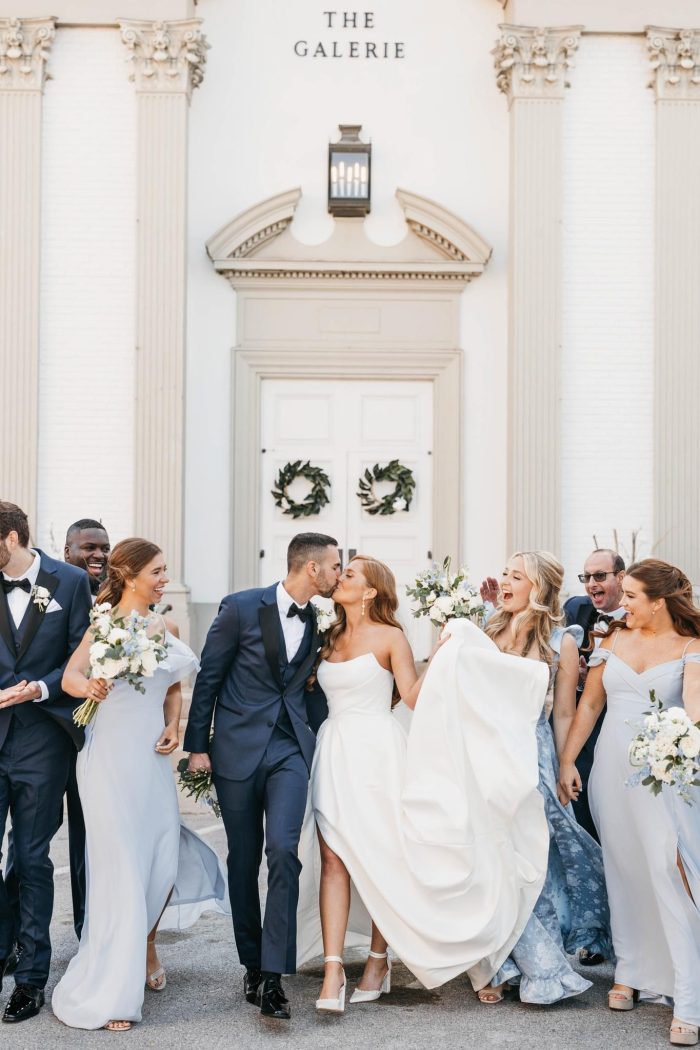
<point>260,243</point>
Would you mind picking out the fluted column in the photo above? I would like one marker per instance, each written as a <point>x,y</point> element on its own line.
<point>531,70</point>
<point>675,61</point>
<point>167,64</point>
<point>24,49</point>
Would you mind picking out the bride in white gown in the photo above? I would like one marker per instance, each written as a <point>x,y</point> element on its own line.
<point>440,836</point>
<point>136,851</point>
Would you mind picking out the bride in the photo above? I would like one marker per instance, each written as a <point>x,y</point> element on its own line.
<point>128,794</point>
<point>441,835</point>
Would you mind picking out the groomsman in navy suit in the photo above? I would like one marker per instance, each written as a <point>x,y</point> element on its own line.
<point>602,577</point>
<point>44,613</point>
<point>256,663</point>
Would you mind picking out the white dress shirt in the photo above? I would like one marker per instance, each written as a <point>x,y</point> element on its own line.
<point>18,601</point>
<point>616,614</point>
<point>292,627</point>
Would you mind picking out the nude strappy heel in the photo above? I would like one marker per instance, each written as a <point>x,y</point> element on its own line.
<point>333,1006</point>
<point>372,994</point>
<point>683,1034</point>
<point>618,999</point>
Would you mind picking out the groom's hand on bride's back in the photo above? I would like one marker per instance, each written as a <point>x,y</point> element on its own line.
<point>199,761</point>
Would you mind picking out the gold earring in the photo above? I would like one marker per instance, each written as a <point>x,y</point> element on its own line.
<point>363,605</point>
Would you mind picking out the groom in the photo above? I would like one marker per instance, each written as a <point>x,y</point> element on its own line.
<point>44,613</point>
<point>255,665</point>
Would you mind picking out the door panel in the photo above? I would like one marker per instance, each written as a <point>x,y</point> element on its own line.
<point>345,427</point>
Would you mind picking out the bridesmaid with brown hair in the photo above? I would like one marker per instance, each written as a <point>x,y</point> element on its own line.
<point>651,846</point>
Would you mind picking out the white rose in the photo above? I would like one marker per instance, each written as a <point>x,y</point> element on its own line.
<point>148,663</point>
<point>112,668</point>
<point>97,651</point>
<point>676,715</point>
<point>436,614</point>
<point>103,607</point>
<point>658,770</point>
<point>117,635</point>
<point>445,604</point>
<point>690,744</point>
<point>475,603</point>
<point>431,597</point>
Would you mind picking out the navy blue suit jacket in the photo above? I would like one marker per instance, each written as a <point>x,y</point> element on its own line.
<point>244,681</point>
<point>47,641</point>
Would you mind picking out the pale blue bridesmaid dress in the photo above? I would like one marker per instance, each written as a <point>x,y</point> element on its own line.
<point>655,924</point>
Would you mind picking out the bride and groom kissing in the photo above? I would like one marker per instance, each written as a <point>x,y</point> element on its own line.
<point>433,842</point>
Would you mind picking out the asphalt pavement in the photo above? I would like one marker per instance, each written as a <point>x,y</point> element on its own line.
<point>203,1008</point>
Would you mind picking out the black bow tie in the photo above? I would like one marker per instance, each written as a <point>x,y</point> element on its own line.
<point>24,585</point>
<point>303,614</point>
<point>605,618</point>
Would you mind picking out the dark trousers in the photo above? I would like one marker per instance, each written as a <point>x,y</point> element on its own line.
<point>34,768</point>
<point>76,853</point>
<point>276,794</point>
<point>584,764</point>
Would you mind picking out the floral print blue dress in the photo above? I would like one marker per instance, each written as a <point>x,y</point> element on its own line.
<point>572,910</point>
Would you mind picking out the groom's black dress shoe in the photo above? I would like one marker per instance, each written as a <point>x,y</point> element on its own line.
<point>588,958</point>
<point>251,985</point>
<point>25,1002</point>
<point>273,1001</point>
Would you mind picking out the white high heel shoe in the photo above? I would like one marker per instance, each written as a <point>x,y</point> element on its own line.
<point>372,994</point>
<point>333,1006</point>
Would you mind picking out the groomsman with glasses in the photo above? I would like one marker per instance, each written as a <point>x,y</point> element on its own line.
<point>602,577</point>
<point>44,613</point>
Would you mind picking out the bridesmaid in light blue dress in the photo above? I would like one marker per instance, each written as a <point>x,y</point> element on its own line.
<point>651,845</point>
<point>572,911</point>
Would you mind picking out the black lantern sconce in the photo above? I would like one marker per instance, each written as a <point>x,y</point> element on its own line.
<point>349,173</point>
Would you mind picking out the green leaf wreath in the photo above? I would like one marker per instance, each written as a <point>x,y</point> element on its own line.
<point>315,499</point>
<point>404,485</point>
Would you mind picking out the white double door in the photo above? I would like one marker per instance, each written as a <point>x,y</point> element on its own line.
<point>344,427</point>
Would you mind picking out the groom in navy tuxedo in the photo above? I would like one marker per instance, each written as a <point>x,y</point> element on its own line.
<point>44,613</point>
<point>256,663</point>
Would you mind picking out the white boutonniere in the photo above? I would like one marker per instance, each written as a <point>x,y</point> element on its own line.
<point>41,598</point>
<point>324,613</point>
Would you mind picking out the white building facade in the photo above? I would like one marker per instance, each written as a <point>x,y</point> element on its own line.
<point>516,321</point>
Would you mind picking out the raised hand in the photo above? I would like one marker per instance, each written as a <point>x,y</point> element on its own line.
<point>490,590</point>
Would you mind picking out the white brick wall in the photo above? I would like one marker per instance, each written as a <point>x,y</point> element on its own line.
<point>607,383</point>
<point>87,290</point>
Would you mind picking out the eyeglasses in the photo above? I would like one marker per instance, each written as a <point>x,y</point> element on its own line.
<point>599,577</point>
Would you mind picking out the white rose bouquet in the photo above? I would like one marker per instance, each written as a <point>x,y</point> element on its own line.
<point>442,596</point>
<point>666,751</point>
<point>122,649</point>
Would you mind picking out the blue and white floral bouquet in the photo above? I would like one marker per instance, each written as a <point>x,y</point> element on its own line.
<point>121,649</point>
<point>442,596</point>
<point>666,751</point>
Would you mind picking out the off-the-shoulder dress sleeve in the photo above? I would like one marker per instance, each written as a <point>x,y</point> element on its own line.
<point>599,656</point>
<point>576,632</point>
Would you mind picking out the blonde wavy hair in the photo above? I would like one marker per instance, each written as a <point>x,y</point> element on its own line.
<point>543,612</point>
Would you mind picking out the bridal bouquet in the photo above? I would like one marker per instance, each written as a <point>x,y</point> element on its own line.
<point>122,649</point>
<point>666,751</point>
<point>198,785</point>
<point>442,596</point>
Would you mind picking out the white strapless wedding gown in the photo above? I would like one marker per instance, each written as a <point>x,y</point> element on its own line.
<point>136,850</point>
<point>442,830</point>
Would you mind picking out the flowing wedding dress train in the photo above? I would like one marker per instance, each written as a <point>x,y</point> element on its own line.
<point>134,846</point>
<point>442,829</point>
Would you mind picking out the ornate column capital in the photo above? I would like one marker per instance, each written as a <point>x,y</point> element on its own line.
<point>533,63</point>
<point>167,56</point>
<point>674,55</point>
<point>25,44</point>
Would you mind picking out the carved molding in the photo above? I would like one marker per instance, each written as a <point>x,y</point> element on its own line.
<point>25,44</point>
<point>457,253</point>
<point>534,63</point>
<point>166,56</point>
<point>674,55</point>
